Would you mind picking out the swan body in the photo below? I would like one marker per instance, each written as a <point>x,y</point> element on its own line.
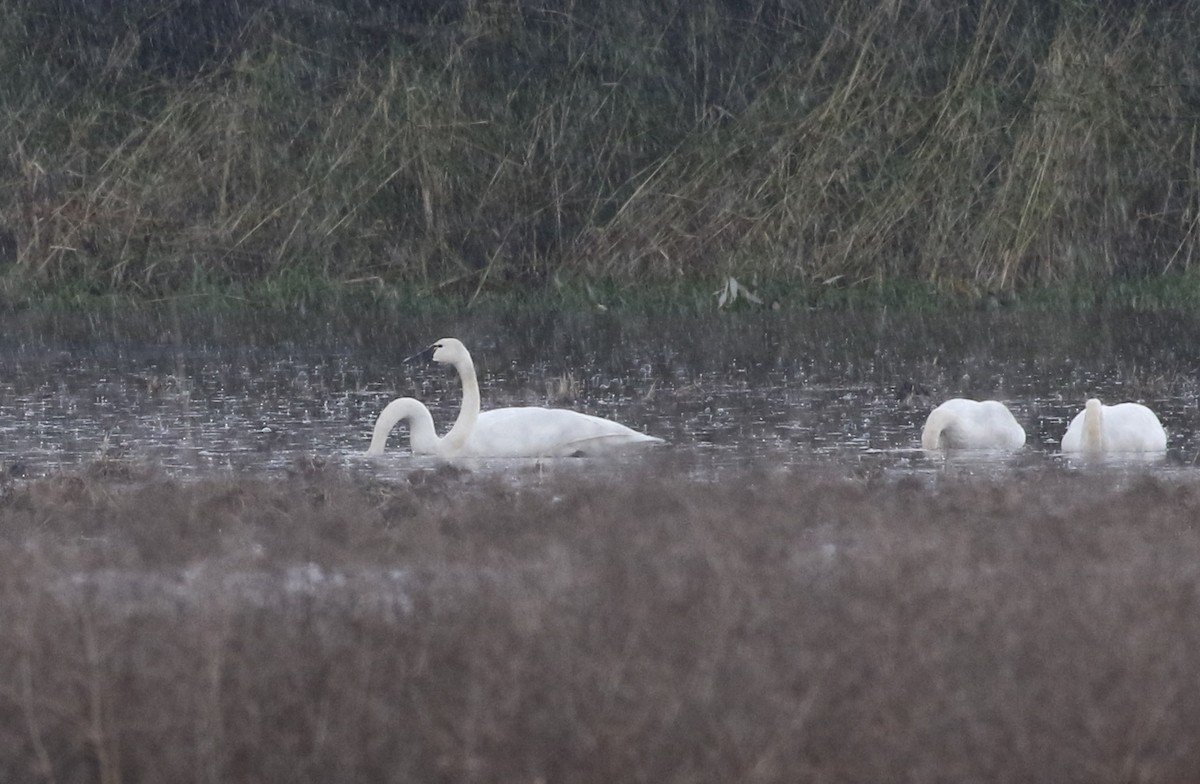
<point>1124,427</point>
<point>972,424</point>
<point>522,431</point>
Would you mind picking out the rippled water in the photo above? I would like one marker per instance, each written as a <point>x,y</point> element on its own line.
<point>200,393</point>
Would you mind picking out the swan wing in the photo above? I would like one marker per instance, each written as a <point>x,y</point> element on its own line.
<point>533,431</point>
<point>1131,427</point>
<point>607,444</point>
<point>1072,440</point>
<point>998,427</point>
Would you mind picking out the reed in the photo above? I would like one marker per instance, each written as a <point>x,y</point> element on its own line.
<point>465,148</point>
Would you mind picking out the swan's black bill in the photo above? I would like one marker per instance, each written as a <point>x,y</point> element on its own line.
<point>424,355</point>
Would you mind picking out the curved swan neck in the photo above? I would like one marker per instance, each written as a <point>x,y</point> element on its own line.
<point>423,439</point>
<point>456,439</point>
<point>934,434</point>
<point>1093,426</point>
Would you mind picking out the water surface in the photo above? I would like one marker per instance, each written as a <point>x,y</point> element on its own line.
<point>196,393</point>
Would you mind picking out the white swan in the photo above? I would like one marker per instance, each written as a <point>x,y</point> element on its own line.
<point>972,424</point>
<point>1125,427</point>
<point>522,431</point>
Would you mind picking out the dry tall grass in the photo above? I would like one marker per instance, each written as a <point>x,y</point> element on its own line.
<point>452,628</point>
<point>459,145</point>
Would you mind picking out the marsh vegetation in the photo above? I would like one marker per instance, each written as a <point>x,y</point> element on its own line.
<point>457,627</point>
<point>200,579</point>
<point>458,148</point>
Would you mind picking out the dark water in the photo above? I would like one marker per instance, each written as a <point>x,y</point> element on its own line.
<point>198,393</point>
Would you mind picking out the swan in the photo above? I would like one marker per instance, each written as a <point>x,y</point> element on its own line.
<point>519,431</point>
<point>1124,427</point>
<point>972,424</point>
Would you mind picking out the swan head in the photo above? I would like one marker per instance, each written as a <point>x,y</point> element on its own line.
<point>449,351</point>
<point>1092,406</point>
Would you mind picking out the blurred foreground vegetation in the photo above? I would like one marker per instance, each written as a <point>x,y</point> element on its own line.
<point>457,148</point>
<point>463,628</point>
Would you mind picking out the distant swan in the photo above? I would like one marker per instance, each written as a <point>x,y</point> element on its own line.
<point>972,424</point>
<point>1125,427</point>
<point>522,431</point>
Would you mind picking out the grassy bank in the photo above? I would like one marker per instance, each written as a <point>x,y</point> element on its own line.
<point>452,628</point>
<point>458,148</point>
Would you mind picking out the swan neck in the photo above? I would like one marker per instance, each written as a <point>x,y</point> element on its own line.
<point>1093,428</point>
<point>933,436</point>
<point>468,415</point>
<point>422,438</point>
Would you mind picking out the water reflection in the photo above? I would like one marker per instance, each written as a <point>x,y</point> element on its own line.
<point>195,392</point>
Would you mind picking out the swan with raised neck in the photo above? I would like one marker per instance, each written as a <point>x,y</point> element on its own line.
<point>423,438</point>
<point>518,431</point>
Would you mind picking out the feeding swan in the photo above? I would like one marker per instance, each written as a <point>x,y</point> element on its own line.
<point>972,424</point>
<point>521,431</point>
<point>1125,427</point>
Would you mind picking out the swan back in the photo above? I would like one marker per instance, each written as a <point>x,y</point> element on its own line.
<point>1124,427</point>
<point>960,423</point>
<point>532,431</point>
